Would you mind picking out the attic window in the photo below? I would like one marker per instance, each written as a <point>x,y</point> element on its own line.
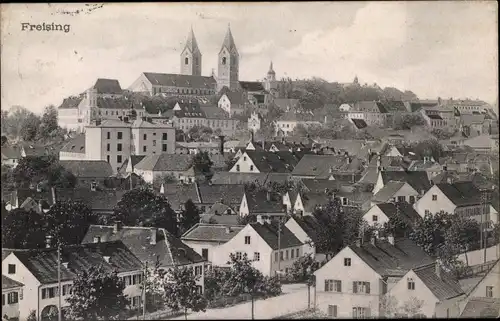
<point>97,239</point>
<point>411,284</point>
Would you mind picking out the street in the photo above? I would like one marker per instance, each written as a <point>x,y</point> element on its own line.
<point>294,298</point>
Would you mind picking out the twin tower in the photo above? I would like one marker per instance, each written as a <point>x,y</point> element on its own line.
<point>227,66</point>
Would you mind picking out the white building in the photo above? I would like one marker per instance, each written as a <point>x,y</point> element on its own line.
<point>254,122</point>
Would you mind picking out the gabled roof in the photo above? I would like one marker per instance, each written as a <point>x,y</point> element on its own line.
<point>435,116</point>
<point>394,106</point>
<point>242,178</point>
<point>212,232</point>
<point>218,209</point>
<point>165,162</point>
<point>417,179</point>
<point>257,201</point>
<point>388,191</point>
<point>277,162</point>
<point>135,159</point>
<point>392,260</point>
<point>443,287</point>
<point>107,86</point>
<point>229,41</point>
<point>482,307</point>
<point>189,108</point>
<point>320,185</point>
<point>295,116</point>
<point>176,80</point>
<point>235,97</point>
<point>75,145</point>
<point>214,112</point>
<point>269,232</point>
<point>223,219</point>
<point>116,103</point>
<point>228,194</point>
<point>322,166</point>
<point>42,263</point>
<point>402,209</point>
<point>8,283</point>
<point>357,148</point>
<point>88,168</point>
<point>167,249</point>
<point>461,193</point>
<point>368,106</point>
<point>191,42</point>
<point>178,194</point>
<point>71,102</point>
<point>359,123</point>
<point>310,225</point>
<point>251,86</point>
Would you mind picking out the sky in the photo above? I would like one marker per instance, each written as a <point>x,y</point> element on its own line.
<point>446,49</point>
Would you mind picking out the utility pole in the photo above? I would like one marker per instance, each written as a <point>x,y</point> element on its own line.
<point>59,315</point>
<point>144,292</point>
<point>483,220</point>
<point>279,248</point>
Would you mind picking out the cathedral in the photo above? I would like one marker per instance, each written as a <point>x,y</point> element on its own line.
<point>191,83</point>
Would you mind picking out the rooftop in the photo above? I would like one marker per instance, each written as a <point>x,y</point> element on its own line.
<point>443,287</point>
<point>177,80</point>
<point>269,232</point>
<point>212,232</point>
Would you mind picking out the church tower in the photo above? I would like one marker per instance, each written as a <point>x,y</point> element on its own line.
<point>270,82</point>
<point>228,65</point>
<point>191,57</point>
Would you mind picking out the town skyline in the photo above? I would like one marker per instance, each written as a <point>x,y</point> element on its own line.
<point>429,52</point>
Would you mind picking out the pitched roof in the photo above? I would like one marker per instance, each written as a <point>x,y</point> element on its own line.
<point>214,112</point>
<point>189,108</point>
<point>277,162</point>
<point>8,283</point>
<point>320,185</point>
<point>71,102</point>
<point>42,263</point>
<point>482,307</point>
<point>402,209</point>
<point>312,200</point>
<point>251,86</point>
<point>242,178</point>
<point>352,147</point>
<point>269,232</point>
<point>297,116</point>
<point>212,232</point>
<point>107,86</point>
<point>359,123</point>
<point>435,116</point>
<point>469,119</point>
<point>219,209</point>
<point>191,42</point>
<point>11,152</point>
<point>116,103</point>
<point>178,194</point>
<point>167,249</point>
<point>388,191</point>
<point>75,145</point>
<point>257,201</point>
<point>392,260</point>
<point>88,168</point>
<point>176,80</point>
<point>310,225</point>
<point>229,41</point>
<point>227,193</point>
<point>394,106</point>
<point>135,159</point>
<point>368,106</point>
<point>417,179</point>
<point>324,165</point>
<point>224,219</point>
<point>461,193</point>
<point>165,162</point>
<point>443,287</point>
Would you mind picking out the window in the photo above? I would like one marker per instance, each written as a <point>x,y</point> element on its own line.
<point>198,270</point>
<point>411,284</point>
<point>12,298</point>
<point>292,252</point>
<point>375,218</point>
<point>361,287</point>
<point>296,252</point>
<point>412,199</point>
<point>360,313</point>
<point>164,136</point>
<point>49,293</point>
<point>3,299</point>
<point>108,135</point>
<point>97,239</point>
<point>489,291</point>
<point>108,147</point>
<point>434,197</point>
<point>154,142</point>
<point>239,255</point>
<point>186,61</point>
<point>347,261</point>
<point>333,286</point>
<point>237,168</point>
<point>145,136</point>
<point>107,158</point>
<point>344,201</point>
<point>247,239</point>
<point>204,253</point>
<point>332,311</point>
<point>66,289</point>
<point>281,255</point>
<point>401,199</point>
<point>427,212</point>
<point>136,301</point>
<point>12,269</point>
<point>164,147</point>
<point>119,147</point>
<point>275,256</point>
<point>286,255</point>
<point>118,159</point>
<point>199,289</point>
<point>245,158</point>
<point>223,60</point>
<point>119,135</point>
<point>144,148</point>
<point>256,256</point>
<point>251,167</point>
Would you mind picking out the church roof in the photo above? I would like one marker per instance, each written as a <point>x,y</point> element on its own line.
<point>229,41</point>
<point>191,42</point>
<point>176,80</point>
<point>271,70</point>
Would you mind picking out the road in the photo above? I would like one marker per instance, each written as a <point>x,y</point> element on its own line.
<point>293,299</point>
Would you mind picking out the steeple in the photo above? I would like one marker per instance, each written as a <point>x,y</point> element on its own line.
<point>191,56</point>
<point>271,71</point>
<point>191,42</point>
<point>229,41</point>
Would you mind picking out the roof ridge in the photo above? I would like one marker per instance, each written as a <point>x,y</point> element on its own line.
<point>167,244</point>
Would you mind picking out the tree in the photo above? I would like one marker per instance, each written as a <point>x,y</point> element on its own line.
<point>190,216</point>
<point>429,232</point>
<point>30,126</point>
<point>48,122</point>
<point>141,206</point>
<point>407,121</point>
<point>68,221</point>
<point>97,294</point>
<point>182,292</point>
<point>412,307</point>
<point>442,134</point>
<point>247,219</point>
<point>303,268</point>
<point>44,170</point>
<point>202,162</point>
<point>154,282</point>
<point>22,229</point>
<point>428,148</point>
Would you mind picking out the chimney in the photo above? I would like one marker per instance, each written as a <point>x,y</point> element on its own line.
<point>268,196</point>
<point>358,242</point>
<point>252,134</point>
<point>326,191</point>
<point>438,268</point>
<point>54,198</point>
<point>221,151</point>
<point>38,188</point>
<point>390,238</point>
<point>228,229</point>
<point>65,264</point>
<point>93,186</point>
<point>373,241</point>
<point>260,219</point>
<point>267,220</point>
<point>117,227</point>
<point>162,189</point>
<point>263,143</point>
<point>98,122</point>
<point>106,258</point>
<point>48,241</point>
<point>152,239</point>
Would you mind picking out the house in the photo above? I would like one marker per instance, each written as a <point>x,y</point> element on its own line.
<point>74,149</point>
<point>287,122</point>
<point>373,113</point>
<point>155,247</point>
<point>352,283</point>
<point>305,203</point>
<point>430,167</point>
<point>178,194</point>
<point>261,203</point>
<point>440,117</point>
<point>153,167</point>
<point>205,238</point>
<point>286,104</point>
<point>264,162</point>
<point>254,122</point>
<point>259,241</point>
<point>431,285</point>
<point>12,293</point>
<point>418,180</point>
<point>232,102</point>
<point>483,143</point>
<point>381,213</point>
<point>10,156</point>
<point>38,271</point>
<point>305,229</point>
<point>242,178</point>
<point>227,194</point>
<point>128,165</point>
<point>396,191</point>
<point>220,214</point>
<point>219,120</point>
<point>460,198</point>
<point>88,172</point>
<point>358,123</point>
<point>345,107</point>
<point>187,86</point>
<point>313,166</point>
<point>478,307</point>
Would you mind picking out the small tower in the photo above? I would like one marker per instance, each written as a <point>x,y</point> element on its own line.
<point>356,82</point>
<point>270,82</point>
<point>228,65</point>
<point>191,56</point>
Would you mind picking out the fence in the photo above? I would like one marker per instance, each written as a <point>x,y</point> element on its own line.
<point>476,257</point>
<point>475,270</point>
